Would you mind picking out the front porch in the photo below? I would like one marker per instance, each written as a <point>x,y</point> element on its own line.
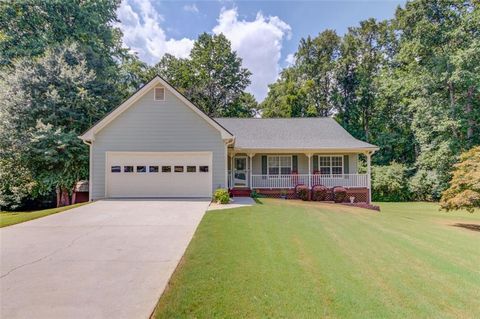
<point>275,175</point>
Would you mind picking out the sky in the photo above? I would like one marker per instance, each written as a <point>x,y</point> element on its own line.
<point>265,34</point>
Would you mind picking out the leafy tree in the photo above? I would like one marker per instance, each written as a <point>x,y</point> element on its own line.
<point>16,183</point>
<point>29,28</point>
<point>58,159</point>
<point>43,102</point>
<point>212,77</point>
<point>315,61</point>
<point>245,106</point>
<point>287,98</point>
<point>464,190</point>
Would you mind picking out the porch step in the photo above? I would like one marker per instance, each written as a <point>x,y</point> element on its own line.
<point>242,192</point>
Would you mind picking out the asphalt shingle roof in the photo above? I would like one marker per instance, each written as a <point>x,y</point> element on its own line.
<point>296,133</point>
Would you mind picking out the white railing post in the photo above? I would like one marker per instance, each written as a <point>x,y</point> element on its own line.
<point>309,155</point>
<point>369,173</point>
<point>250,169</point>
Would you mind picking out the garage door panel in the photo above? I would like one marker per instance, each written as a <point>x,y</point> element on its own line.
<point>159,184</point>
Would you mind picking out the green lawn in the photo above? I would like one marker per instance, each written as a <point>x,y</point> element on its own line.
<point>12,218</point>
<point>289,259</point>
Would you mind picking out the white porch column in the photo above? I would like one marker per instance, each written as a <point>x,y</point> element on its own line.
<point>250,169</point>
<point>309,155</point>
<point>232,174</point>
<point>369,173</point>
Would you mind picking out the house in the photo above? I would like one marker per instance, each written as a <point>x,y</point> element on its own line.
<point>159,144</point>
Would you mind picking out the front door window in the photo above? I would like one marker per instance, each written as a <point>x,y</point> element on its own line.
<point>240,172</point>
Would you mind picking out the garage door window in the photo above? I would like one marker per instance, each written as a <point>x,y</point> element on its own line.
<point>116,169</point>
<point>203,169</point>
<point>166,169</point>
<point>128,169</point>
<point>141,169</point>
<point>178,169</point>
<point>191,169</point>
<point>153,169</point>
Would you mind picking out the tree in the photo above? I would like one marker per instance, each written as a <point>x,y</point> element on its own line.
<point>58,159</point>
<point>29,28</point>
<point>441,79</point>
<point>315,61</point>
<point>464,190</point>
<point>44,105</point>
<point>16,183</point>
<point>287,98</point>
<point>212,77</point>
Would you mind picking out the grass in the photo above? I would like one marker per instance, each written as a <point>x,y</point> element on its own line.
<point>290,259</point>
<point>12,218</point>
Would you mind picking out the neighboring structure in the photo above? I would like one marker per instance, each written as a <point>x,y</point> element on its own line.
<point>158,144</point>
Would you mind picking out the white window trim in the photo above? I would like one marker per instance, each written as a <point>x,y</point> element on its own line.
<point>280,167</point>
<point>331,166</point>
<point>155,94</point>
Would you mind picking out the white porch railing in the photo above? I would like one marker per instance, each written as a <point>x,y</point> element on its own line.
<point>290,181</point>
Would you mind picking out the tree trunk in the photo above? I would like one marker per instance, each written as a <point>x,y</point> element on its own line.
<point>468,113</point>
<point>63,199</point>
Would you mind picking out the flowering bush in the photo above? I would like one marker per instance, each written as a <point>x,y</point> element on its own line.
<point>339,194</point>
<point>221,196</point>
<point>301,191</point>
<point>319,192</point>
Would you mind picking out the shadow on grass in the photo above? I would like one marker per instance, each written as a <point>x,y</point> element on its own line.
<point>474,227</point>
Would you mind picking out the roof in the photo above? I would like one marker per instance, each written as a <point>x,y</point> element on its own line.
<point>89,135</point>
<point>292,133</point>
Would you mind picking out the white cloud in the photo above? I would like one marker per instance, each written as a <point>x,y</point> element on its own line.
<point>191,8</point>
<point>290,59</point>
<point>143,34</point>
<point>258,43</point>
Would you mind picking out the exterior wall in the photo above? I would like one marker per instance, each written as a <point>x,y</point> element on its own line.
<point>303,163</point>
<point>157,126</point>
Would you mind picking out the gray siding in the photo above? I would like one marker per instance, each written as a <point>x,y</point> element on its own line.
<point>303,163</point>
<point>157,126</point>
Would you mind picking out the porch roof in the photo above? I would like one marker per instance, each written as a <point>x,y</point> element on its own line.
<point>292,133</point>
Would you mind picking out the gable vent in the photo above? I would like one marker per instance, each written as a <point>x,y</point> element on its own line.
<point>159,94</point>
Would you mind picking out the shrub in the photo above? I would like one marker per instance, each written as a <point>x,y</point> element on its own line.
<point>319,192</point>
<point>221,196</point>
<point>389,183</point>
<point>301,191</point>
<point>339,194</point>
<point>425,185</point>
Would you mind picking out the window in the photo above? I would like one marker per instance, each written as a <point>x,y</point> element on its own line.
<point>116,169</point>
<point>153,169</point>
<point>191,169</point>
<point>128,169</point>
<point>178,169</point>
<point>141,169</point>
<point>203,169</point>
<point>330,165</point>
<point>159,94</point>
<point>166,169</point>
<point>279,165</point>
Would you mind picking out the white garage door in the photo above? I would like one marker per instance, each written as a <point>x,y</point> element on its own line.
<point>134,174</point>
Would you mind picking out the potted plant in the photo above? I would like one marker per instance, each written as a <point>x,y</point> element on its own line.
<point>283,194</point>
<point>352,199</point>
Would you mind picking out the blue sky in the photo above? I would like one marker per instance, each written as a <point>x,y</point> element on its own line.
<point>265,34</point>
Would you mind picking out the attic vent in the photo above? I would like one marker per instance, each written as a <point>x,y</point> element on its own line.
<point>160,94</point>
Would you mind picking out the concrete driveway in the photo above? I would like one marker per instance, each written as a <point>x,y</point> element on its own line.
<point>108,259</point>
